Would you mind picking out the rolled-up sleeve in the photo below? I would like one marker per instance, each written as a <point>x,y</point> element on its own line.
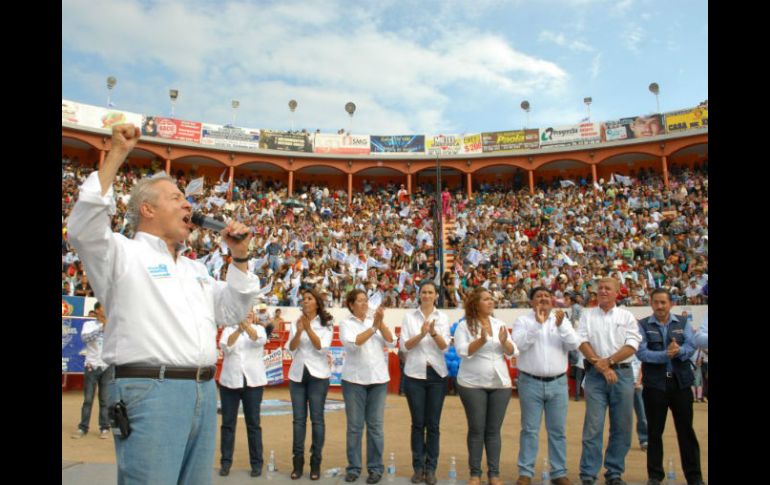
<point>462,340</point>
<point>233,299</point>
<point>633,336</point>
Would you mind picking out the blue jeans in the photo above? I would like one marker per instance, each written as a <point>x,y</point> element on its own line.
<point>173,431</point>
<point>91,379</point>
<point>252,401</point>
<point>426,400</point>
<point>535,397</point>
<point>311,392</point>
<point>365,403</point>
<point>619,399</point>
<point>641,417</point>
<point>485,412</point>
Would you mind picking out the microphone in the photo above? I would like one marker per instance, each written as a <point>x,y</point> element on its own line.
<point>215,225</point>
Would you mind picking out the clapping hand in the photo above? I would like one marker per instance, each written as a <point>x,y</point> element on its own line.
<point>503,335</point>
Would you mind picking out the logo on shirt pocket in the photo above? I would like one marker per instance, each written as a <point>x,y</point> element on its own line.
<point>159,271</point>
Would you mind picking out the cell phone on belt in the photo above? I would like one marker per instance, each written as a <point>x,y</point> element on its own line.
<point>118,415</point>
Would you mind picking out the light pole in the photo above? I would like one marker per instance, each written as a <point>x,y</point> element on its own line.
<point>350,107</point>
<point>588,101</point>
<point>173,94</point>
<point>111,82</point>
<point>235,103</point>
<point>655,89</point>
<point>525,107</point>
<point>292,108</point>
<point>439,226</point>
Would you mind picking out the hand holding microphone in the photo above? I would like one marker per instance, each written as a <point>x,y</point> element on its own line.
<point>234,231</point>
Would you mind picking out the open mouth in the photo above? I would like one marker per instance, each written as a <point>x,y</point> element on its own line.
<point>187,220</point>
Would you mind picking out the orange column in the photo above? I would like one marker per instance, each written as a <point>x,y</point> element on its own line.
<point>409,183</point>
<point>350,188</point>
<point>230,184</point>
<point>101,158</point>
<point>168,166</point>
<point>291,182</point>
<point>665,171</point>
<point>593,174</point>
<point>469,183</point>
<point>531,181</point>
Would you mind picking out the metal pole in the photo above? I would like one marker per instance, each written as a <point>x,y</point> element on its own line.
<point>439,233</point>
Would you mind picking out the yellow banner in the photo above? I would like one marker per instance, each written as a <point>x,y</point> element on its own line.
<point>687,120</point>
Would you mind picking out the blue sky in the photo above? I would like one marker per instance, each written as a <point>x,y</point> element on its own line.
<point>409,66</point>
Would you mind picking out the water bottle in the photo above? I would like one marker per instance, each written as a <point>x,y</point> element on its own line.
<point>271,469</point>
<point>453,470</point>
<point>546,474</point>
<point>392,467</point>
<point>332,472</point>
<point>671,474</point>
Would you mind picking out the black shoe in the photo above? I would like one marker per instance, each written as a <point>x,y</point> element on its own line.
<point>315,467</point>
<point>224,471</point>
<point>351,477</point>
<point>614,481</point>
<point>374,477</point>
<point>418,476</point>
<point>298,462</point>
<point>256,472</point>
<point>430,477</point>
<point>653,481</point>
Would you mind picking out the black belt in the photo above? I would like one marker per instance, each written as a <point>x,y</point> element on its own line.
<point>544,379</point>
<point>164,372</point>
<point>588,365</point>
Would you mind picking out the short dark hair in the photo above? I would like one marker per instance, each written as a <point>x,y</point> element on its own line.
<point>97,305</point>
<point>536,289</point>
<point>658,291</point>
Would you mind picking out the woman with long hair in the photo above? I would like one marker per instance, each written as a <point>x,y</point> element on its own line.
<point>365,379</point>
<point>424,340</point>
<point>309,340</point>
<point>484,384</point>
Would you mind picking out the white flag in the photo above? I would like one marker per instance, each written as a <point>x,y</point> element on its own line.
<point>404,212</point>
<point>338,255</point>
<point>566,183</point>
<point>375,301</point>
<point>287,278</point>
<point>401,280</point>
<point>408,248</point>
<point>387,253</point>
<point>266,289</point>
<point>474,257</point>
<point>567,259</point>
<point>576,246</point>
<point>195,187</point>
<point>217,201</point>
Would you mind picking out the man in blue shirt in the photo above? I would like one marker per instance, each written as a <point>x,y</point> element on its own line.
<point>665,351</point>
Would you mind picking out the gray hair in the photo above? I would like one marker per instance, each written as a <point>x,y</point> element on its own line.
<point>141,193</point>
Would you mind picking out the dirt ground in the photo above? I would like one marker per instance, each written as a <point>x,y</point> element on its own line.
<point>276,435</point>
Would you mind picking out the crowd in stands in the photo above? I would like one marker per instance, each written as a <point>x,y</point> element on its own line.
<point>565,236</point>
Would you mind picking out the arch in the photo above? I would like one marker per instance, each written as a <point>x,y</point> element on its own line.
<point>357,167</point>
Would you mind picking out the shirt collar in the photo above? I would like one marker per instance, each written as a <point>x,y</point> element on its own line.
<point>671,318</point>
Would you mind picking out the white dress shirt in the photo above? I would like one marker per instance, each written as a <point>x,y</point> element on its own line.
<point>426,352</point>
<point>368,363</point>
<point>487,367</point>
<point>161,312</point>
<point>317,361</point>
<point>543,347</point>
<point>245,358</point>
<point>608,331</point>
<point>92,334</point>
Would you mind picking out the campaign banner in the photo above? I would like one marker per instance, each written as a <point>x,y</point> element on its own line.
<point>579,134</point>
<point>397,144</point>
<point>228,136</point>
<point>73,306</point>
<point>342,144</point>
<point>687,119</point>
<point>444,144</point>
<point>95,116</point>
<point>472,143</point>
<point>274,367</point>
<point>171,129</point>
<point>337,358</point>
<point>510,140</point>
<point>633,127</point>
<point>73,355</point>
<point>285,140</point>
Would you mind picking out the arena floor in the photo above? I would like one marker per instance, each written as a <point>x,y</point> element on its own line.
<point>276,435</point>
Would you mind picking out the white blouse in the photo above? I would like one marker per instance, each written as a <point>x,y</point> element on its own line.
<point>368,363</point>
<point>487,367</point>
<point>426,351</point>
<point>244,358</point>
<point>317,361</point>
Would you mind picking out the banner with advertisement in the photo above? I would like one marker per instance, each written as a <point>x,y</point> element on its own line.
<point>73,306</point>
<point>171,129</point>
<point>95,116</point>
<point>73,354</point>
<point>228,136</point>
<point>274,367</point>
<point>580,134</point>
<point>510,140</point>
<point>633,127</point>
<point>444,144</point>
<point>337,358</point>
<point>472,143</point>
<point>397,144</point>
<point>285,140</point>
<point>341,144</point>
<point>687,119</point>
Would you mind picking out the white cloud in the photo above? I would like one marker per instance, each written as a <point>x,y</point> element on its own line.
<point>595,65</point>
<point>561,40</point>
<point>632,36</point>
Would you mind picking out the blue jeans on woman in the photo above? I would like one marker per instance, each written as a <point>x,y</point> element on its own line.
<point>485,412</point>
<point>619,398</point>
<point>173,430</point>
<point>536,397</point>
<point>311,392</point>
<point>426,400</point>
<point>365,403</point>
<point>252,401</point>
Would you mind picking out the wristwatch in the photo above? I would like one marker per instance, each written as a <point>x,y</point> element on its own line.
<point>612,362</point>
